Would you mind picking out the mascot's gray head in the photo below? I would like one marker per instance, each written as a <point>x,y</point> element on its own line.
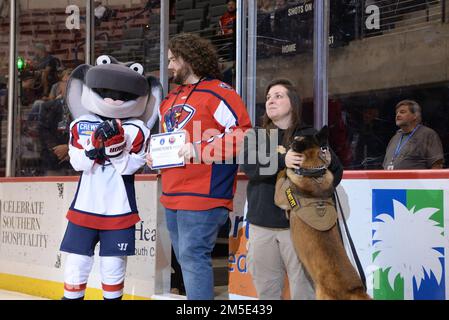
<point>114,90</point>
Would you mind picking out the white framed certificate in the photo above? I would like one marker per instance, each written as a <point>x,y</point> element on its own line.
<point>164,149</point>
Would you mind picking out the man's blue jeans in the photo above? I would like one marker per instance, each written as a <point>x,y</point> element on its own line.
<point>193,235</point>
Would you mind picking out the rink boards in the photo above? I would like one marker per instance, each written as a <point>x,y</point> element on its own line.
<point>397,220</point>
<point>32,223</point>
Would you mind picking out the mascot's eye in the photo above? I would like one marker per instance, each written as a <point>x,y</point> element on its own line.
<point>137,67</point>
<point>103,60</point>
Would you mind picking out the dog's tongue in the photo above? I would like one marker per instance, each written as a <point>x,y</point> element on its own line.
<point>114,102</point>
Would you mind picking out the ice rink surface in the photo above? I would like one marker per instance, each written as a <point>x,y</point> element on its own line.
<point>11,295</point>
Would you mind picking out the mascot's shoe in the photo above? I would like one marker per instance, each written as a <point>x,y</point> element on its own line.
<point>65,298</point>
<point>118,298</point>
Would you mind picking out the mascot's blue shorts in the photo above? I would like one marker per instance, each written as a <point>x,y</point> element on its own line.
<point>82,240</point>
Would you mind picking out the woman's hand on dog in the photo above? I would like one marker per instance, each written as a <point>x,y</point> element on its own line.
<point>293,160</point>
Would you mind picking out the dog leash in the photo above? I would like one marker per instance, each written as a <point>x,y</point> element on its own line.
<point>351,243</point>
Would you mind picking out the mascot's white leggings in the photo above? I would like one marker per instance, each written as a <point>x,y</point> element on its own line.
<point>77,270</point>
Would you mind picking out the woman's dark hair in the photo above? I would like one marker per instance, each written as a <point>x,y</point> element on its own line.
<point>199,53</point>
<point>295,102</point>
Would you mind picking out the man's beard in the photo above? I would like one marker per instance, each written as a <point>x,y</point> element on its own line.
<point>402,123</point>
<point>181,75</point>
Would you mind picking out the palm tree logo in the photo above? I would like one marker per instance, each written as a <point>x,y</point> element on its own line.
<point>409,245</point>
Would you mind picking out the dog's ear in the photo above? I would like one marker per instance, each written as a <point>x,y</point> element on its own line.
<point>299,145</point>
<point>323,135</point>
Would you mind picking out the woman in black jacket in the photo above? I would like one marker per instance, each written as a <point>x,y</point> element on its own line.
<point>271,254</point>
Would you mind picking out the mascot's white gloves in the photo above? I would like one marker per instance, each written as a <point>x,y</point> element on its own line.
<point>113,137</point>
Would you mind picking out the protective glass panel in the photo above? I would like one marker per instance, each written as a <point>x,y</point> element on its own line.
<point>285,50</point>
<point>4,70</point>
<point>384,52</point>
<point>51,37</point>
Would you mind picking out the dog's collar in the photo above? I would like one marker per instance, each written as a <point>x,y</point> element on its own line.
<point>311,172</point>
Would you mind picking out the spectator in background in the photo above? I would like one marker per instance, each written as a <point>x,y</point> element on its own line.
<point>59,88</point>
<point>342,22</point>
<point>153,4</point>
<point>278,10</point>
<point>3,93</point>
<point>370,139</point>
<point>338,132</point>
<point>54,124</point>
<point>172,9</point>
<point>227,20</point>
<point>46,67</point>
<point>28,91</point>
<point>99,11</point>
<point>102,13</point>
<point>280,4</point>
<point>414,146</point>
<point>226,49</point>
<point>4,10</point>
<point>56,92</point>
<point>265,6</point>
<point>265,14</point>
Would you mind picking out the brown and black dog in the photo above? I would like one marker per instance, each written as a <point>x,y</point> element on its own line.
<point>306,195</point>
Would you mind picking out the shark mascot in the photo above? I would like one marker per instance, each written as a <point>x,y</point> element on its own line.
<point>114,106</point>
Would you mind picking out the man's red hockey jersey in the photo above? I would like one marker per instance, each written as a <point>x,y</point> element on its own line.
<point>215,119</point>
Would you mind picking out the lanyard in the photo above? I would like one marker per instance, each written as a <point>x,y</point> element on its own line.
<point>401,144</point>
<point>171,118</point>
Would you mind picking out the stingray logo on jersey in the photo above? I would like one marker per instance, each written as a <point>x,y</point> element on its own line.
<point>177,117</point>
<point>408,244</point>
<point>86,128</point>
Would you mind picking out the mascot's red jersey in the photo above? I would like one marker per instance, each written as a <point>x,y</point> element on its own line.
<point>215,119</point>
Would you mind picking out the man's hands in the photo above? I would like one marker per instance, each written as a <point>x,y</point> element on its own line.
<point>62,152</point>
<point>149,160</point>
<point>187,151</point>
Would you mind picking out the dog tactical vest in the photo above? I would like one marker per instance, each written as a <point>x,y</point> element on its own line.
<point>319,214</point>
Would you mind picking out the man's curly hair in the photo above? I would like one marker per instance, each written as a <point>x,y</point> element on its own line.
<point>199,53</point>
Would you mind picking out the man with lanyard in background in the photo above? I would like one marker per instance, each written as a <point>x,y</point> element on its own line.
<point>414,146</point>
<point>198,196</point>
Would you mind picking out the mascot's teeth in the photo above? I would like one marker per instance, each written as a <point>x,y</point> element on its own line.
<point>114,102</point>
